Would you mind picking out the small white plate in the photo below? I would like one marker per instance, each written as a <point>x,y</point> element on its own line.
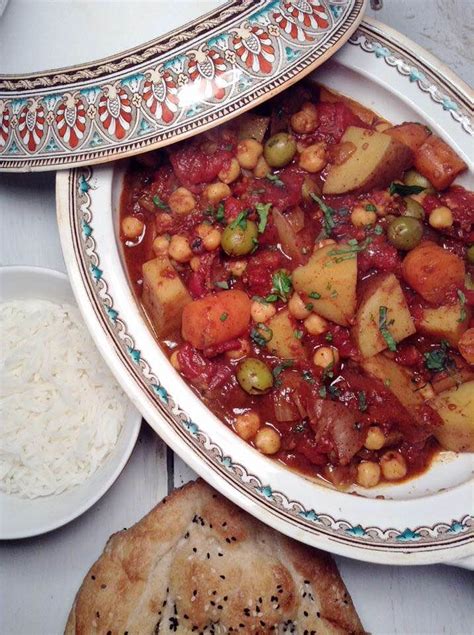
<point>22,518</point>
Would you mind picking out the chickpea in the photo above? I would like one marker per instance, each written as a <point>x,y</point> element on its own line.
<point>247,425</point>
<point>298,308</point>
<point>375,438</point>
<point>361,217</point>
<point>175,360</point>
<point>132,227</point>
<point>216,192</point>
<point>261,311</point>
<point>237,267</point>
<point>368,473</point>
<point>316,325</point>
<point>267,440</point>
<point>182,201</point>
<point>326,356</point>
<point>195,263</point>
<point>231,173</point>
<point>324,243</point>
<point>313,158</point>
<point>304,121</point>
<point>393,466</point>
<point>309,187</point>
<point>242,351</point>
<point>262,168</point>
<point>179,249</point>
<point>441,218</point>
<point>160,245</point>
<point>248,153</point>
<point>211,236</point>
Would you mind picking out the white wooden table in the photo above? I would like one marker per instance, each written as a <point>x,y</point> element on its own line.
<point>39,577</point>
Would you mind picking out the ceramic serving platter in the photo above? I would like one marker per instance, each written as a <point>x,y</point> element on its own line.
<point>425,520</point>
<point>220,64</point>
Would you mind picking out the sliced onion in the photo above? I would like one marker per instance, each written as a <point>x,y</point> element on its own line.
<point>287,237</point>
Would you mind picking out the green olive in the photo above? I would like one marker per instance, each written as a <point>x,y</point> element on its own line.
<point>470,255</point>
<point>412,177</point>
<point>254,376</point>
<point>239,240</point>
<point>413,209</point>
<point>279,150</point>
<point>405,232</point>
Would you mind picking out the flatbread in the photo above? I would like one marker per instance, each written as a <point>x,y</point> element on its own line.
<point>197,564</point>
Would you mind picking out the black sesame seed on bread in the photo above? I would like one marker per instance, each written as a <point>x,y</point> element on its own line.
<point>198,564</point>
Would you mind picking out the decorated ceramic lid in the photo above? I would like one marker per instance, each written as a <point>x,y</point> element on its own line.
<point>192,77</point>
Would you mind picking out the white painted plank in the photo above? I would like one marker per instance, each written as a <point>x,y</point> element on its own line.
<point>443,27</point>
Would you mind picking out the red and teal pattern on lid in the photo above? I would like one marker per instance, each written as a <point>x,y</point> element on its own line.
<point>188,79</point>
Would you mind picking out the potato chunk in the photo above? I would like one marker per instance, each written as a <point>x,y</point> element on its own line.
<point>164,296</point>
<point>433,271</point>
<point>216,319</point>
<point>329,282</point>
<point>383,290</point>
<point>398,380</point>
<point>456,408</point>
<point>377,160</point>
<point>444,322</point>
<point>284,343</point>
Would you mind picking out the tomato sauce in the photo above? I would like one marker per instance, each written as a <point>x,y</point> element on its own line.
<point>325,419</point>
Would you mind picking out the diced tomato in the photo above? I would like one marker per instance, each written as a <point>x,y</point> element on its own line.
<point>232,208</point>
<point>192,166</point>
<point>258,274</point>
<point>379,255</point>
<point>334,119</point>
<point>201,371</point>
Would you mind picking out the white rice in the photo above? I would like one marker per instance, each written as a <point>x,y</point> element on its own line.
<point>61,411</point>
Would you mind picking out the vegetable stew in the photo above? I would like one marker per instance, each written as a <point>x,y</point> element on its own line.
<point>308,269</point>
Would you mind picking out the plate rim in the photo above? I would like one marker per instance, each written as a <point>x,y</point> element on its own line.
<point>183,124</point>
<point>351,551</point>
<point>78,511</point>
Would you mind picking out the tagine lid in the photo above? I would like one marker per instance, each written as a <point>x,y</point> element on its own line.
<point>186,80</point>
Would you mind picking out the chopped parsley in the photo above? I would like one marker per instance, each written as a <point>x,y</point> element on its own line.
<point>384,330</point>
<point>314,295</point>
<point>378,229</point>
<point>261,334</point>
<point>158,202</point>
<point>275,180</point>
<point>219,213</point>
<point>348,251</point>
<point>362,399</point>
<point>370,208</point>
<point>298,334</point>
<point>323,392</point>
<point>438,359</point>
<point>262,211</point>
<point>404,190</point>
<point>221,284</point>
<point>286,363</point>
<point>309,306</point>
<point>462,300</point>
<point>224,317</point>
<point>334,392</point>
<point>240,221</point>
<point>329,337</point>
<point>307,376</point>
<point>282,284</point>
<point>328,213</point>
